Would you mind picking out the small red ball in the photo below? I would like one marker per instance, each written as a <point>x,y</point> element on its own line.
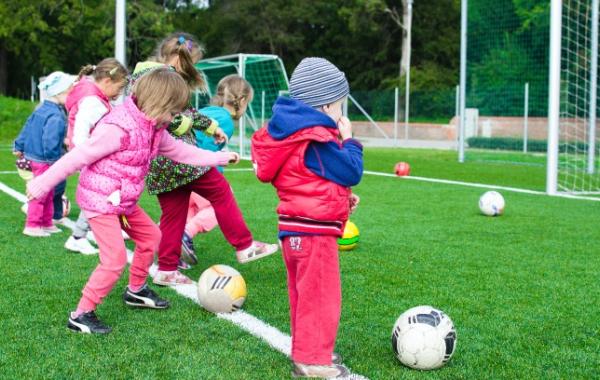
<point>402,169</point>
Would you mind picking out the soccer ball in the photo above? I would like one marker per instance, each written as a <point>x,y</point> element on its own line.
<point>424,338</point>
<point>221,289</point>
<point>349,239</point>
<point>491,203</point>
<point>402,168</point>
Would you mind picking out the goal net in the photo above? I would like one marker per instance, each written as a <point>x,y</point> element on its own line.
<point>268,78</point>
<point>578,170</point>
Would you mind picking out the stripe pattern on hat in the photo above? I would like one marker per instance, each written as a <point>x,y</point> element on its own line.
<point>317,82</point>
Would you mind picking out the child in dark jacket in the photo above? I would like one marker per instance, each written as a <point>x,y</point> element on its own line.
<point>41,142</point>
<point>307,152</point>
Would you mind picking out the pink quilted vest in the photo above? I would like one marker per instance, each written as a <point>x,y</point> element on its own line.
<point>124,170</point>
<point>85,87</point>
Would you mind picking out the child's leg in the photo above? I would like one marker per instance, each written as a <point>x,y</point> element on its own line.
<point>215,188</point>
<point>315,296</point>
<point>59,191</point>
<point>173,205</point>
<point>201,216</point>
<point>146,235</point>
<point>82,226</point>
<point>113,258</point>
<point>36,208</point>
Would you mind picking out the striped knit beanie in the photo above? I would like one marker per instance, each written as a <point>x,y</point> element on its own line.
<point>317,82</point>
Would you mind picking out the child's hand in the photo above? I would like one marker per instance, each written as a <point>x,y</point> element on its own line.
<point>234,158</point>
<point>345,127</point>
<point>18,154</point>
<point>220,136</point>
<point>354,201</point>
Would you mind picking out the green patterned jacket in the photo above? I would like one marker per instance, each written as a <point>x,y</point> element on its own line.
<point>165,174</point>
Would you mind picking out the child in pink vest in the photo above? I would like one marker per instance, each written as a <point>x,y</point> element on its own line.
<point>86,104</point>
<point>113,164</point>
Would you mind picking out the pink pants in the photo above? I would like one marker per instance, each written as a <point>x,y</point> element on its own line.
<point>174,205</point>
<point>39,211</point>
<point>315,294</point>
<point>201,216</point>
<point>113,256</point>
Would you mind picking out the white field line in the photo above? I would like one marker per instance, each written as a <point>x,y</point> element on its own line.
<point>483,186</point>
<point>262,330</point>
<point>460,183</point>
<point>8,172</point>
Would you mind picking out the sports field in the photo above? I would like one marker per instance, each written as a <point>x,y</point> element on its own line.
<point>522,289</point>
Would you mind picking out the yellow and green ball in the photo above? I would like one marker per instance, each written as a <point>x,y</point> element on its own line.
<point>349,240</point>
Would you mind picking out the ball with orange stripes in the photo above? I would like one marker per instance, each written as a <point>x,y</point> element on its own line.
<point>221,289</point>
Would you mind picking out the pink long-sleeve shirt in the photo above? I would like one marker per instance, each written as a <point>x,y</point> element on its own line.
<point>106,140</point>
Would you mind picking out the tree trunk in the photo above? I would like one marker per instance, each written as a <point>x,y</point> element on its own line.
<point>407,24</point>
<point>3,69</point>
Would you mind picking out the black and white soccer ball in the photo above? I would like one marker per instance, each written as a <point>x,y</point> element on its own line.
<point>424,338</point>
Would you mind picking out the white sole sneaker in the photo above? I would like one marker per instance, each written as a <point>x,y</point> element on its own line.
<point>35,232</point>
<point>81,245</point>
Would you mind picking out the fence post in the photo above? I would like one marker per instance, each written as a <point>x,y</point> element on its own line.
<point>463,80</point>
<point>593,91</point>
<point>32,89</point>
<point>525,116</point>
<point>262,110</point>
<point>396,95</point>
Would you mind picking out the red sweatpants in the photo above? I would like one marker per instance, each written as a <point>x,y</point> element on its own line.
<point>113,256</point>
<point>315,294</point>
<point>174,206</point>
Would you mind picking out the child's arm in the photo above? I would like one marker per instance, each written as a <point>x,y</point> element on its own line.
<point>105,140</point>
<point>184,153</point>
<point>191,118</point>
<point>89,113</point>
<point>19,144</point>
<point>342,165</point>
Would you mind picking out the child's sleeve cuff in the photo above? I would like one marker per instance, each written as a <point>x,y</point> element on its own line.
<point>186,124</point>
<point>212,127</point>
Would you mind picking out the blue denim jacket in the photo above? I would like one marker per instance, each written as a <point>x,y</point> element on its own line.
<point>42,137</point>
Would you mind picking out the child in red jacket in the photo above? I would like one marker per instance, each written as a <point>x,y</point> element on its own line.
<point>307,152</point>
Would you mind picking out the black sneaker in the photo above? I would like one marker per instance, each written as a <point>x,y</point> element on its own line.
<point>188,252</point>
<point>88,323</point>
<point>145,297</point>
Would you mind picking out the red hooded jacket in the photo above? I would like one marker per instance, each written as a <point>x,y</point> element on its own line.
<point>308,203</point>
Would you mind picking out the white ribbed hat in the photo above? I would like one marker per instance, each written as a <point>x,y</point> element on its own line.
<point>56,83</point>
<point>317,82</point>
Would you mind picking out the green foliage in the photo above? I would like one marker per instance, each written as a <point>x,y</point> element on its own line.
<point>508,47</point>
<point>13,114</point>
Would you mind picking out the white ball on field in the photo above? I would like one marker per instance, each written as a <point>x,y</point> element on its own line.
<point>491,203</point>
<point>424,338</point>
<point>221,289</point>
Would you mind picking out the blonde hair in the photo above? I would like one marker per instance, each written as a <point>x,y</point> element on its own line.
<point>107,68</point>
<point>231,91</point>
<point>189,51</point>
<point>161,91</point>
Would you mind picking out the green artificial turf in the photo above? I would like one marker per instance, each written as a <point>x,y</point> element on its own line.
<point>522,289</point>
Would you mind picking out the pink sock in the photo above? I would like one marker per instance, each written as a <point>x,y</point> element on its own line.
<point>135,289</point>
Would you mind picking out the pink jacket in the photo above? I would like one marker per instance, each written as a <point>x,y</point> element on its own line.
<point>116,159</point>
<point>85,87</point>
